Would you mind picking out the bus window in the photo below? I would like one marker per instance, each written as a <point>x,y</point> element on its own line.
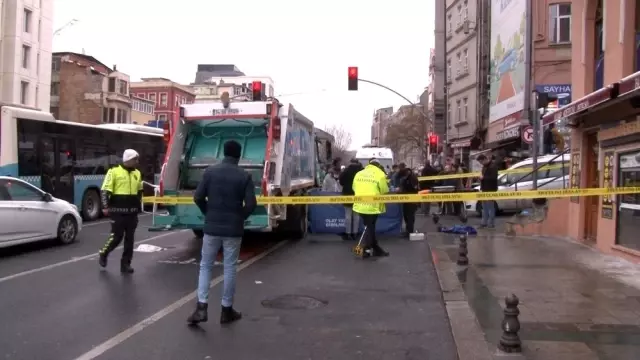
<point>91,159</point>
<point>28,164</point>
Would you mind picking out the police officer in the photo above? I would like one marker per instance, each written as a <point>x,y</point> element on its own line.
<point>371,181</point>
<point>121,200</point>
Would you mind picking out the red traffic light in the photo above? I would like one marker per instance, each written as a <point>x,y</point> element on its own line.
<point>353,78</point>
<point>256,86</point>
<point>256,91</point>
<point>433,139</point>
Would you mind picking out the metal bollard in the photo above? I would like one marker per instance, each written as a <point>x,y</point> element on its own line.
<point>463,260</point>
<point>510,340</point>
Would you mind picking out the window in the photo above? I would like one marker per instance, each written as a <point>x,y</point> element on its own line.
<point>123,87</point>
<point>459,16</point>
<point>142,95</point>
<point>28,164</point>
<point>152,97</point>
<point>112,115</point>
<point>449,24</point>
<point>560,23</point>
<point>465,109</point>
<point>26,53</point>
<point>458,111</point>
<point>112,85</point>
<point>91,159</point>
<point>449,69</point>
<point>38,64</point>
<point>162,117</point>
<point>120,115</point>
<point>465,59</point>
<point>27,20</point>
<point>24,92</point>
<point>465,10</point>
<point>164,98</point>
<point>18,191</point>
<point>449,119</point>
<point>55,88</point>
<point>55,64</point>
<point>459,57</point>
<point>555,173</point>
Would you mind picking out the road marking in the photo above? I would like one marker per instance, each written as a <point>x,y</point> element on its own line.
<point>126,334</point>
<point>76,259</point>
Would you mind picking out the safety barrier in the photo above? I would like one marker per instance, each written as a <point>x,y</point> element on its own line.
<point>406,198</point>
<point>522,170</point>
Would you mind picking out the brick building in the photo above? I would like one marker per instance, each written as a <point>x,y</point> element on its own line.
<point>167,95</point>
<point>85,90</point>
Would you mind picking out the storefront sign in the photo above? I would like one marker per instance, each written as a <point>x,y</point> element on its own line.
<point>629,84</point>
<point>461,144</point>
<point>589,101</point>
<point>607,182</point>
<point>575,175</point>
<point>562,91</point>
<point>623,128</point>
<point>510,133</point>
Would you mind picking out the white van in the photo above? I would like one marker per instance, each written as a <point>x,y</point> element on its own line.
<point>547,179</point>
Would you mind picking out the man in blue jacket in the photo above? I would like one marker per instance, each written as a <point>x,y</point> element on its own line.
<point>226,196</point>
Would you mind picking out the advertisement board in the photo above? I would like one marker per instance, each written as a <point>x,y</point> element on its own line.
<point>508,48</point>
<point>562,91</point>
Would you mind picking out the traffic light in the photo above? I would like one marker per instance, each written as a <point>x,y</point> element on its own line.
<point>353,78</point>
<point>433,143</point>
<point>256,91</point>
<point>545,99</point>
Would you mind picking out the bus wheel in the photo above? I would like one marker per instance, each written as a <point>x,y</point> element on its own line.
<point>91,205</point>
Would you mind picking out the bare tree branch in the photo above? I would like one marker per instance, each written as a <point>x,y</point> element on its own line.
<point>408,134</point>
<point>342,140</point>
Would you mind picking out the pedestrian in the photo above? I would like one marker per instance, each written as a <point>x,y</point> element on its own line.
<point>488,183</point>
<point>330,182</point>
<point>226,197</point>
<point>393,176</point>
<point>370,181</point>
<point>408,184</point>
<point>351,218</point>
<point>122,201</point>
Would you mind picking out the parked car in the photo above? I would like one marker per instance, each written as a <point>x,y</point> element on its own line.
<point>547,179</point>
<point>28,214</point>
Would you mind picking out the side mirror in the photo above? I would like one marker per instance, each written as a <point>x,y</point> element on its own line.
<point>47,197</point>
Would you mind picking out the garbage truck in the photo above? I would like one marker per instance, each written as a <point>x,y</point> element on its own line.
<point>281,149</point>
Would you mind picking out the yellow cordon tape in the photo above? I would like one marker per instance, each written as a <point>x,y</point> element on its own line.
<point>477,174</point>
<point>466,196</point>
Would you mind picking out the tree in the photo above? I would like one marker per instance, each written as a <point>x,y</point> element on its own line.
<point>408,134</point>
<point>342,141</point>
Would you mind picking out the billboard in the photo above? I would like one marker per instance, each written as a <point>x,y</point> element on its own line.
<point>562,91</point>
<point>508,46</point>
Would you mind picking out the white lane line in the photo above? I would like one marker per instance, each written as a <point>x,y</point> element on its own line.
<point>76,259</point>
<point>126,334</point>
<point>84,224</point>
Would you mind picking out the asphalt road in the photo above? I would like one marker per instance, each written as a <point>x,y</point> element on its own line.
<point>56,304</point>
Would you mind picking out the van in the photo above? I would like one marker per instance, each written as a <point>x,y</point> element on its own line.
<point>548,179</point>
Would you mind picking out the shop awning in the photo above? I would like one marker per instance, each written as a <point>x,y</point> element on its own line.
<point>618,90</point>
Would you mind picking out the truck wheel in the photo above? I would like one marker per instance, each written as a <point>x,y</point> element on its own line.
<point>91,205</point>
<point>298,223</point>
<point>198,233</point>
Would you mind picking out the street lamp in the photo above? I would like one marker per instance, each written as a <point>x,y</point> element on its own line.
<point>68,24</point>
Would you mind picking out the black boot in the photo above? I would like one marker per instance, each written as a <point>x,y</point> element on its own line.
<point>229,315</point>
<point>126,268</point>
<point>102,260</point>
<point>199,315</point>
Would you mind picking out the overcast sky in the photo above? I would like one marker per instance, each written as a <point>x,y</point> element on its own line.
<point>303,46</point>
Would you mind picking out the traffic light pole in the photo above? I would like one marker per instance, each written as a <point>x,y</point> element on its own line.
<point>397,93</point>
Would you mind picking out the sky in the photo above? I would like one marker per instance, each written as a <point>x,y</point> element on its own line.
<point>305,48</point>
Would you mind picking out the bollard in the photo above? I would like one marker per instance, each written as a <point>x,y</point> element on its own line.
<point>510,340</point>
<point>435,218</point>
<point>463,260</point>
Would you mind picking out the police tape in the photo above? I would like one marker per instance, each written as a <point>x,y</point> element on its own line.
<point>477,174</point>
<point>414,198</point>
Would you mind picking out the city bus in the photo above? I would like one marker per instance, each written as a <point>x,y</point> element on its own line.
<point>69,160</point>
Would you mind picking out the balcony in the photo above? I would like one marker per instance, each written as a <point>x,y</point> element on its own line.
<point>114,96</point>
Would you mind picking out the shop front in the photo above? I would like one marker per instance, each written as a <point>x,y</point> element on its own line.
<point>461,149</point>
<point>605,152</point>
<point>504,136</point>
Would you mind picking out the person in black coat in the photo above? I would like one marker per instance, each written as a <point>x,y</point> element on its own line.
<point>351,219</point>
<point>488,183</point>
<point>408,184</point>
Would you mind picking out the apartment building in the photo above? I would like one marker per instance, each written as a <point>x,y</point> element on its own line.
<point>206,71</point>
<point>437,71</point>
<point>381,118</point>
<point>142,111</point>
<point>167,96</point>
<point>604,120</point>
<point>26,31</point>
<point>550,69</point>
<point>239,87</point>
<point>85,90</point>
<point>466,42</point>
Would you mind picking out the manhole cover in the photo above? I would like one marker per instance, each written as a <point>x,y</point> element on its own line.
<point>294,302</point>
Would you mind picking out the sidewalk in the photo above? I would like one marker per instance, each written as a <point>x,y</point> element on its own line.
<point>575,303</point>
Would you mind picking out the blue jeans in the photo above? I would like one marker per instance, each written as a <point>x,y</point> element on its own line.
<point>230,252</point>
<point>488,213</point>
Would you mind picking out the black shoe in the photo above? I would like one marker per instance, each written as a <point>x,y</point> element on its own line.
<point>379,252</point>
<point>102,260</point>
<point>199,315</point>
<point>353,237</point>
<point>229,315</point>
<point>345,236</point>
<point>126,269</point>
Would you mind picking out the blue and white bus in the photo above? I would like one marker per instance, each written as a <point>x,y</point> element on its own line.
<point>68,159</point>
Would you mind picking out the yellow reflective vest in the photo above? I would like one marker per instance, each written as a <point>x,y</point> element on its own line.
<point>370,182</point>
<point>122,190</point>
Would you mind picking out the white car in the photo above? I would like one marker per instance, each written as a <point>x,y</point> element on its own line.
<point>547,179</point>
<point>28,214</point>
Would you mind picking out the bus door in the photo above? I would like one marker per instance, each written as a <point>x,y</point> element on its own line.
<point>57,156</point>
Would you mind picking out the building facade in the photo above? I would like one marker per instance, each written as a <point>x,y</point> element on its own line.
<point>239,87</point>
<point>381,120</point>
<point>26,31</point>
<point>604,119</point>
<point>550,72</point>
<point>166,94</point>
<point>85,90</point>
<point>142,111</point>
<point>437,71</point>
<point>207,71</point>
